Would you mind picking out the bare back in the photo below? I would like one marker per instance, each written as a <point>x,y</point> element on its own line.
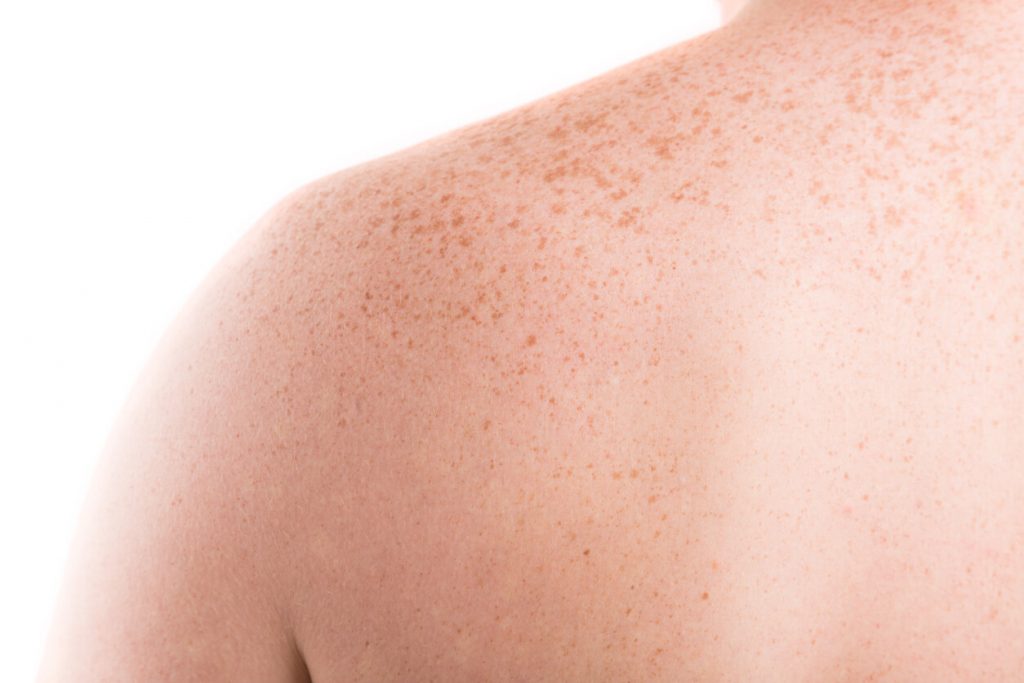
<point>708,369</point>
<point>715,368</point>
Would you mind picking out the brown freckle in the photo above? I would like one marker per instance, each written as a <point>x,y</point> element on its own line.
<point>651,499</point>
<point>445,198</point>
<point>558,208</point>
<point>616,475</point>
<point>531,340</point>
<point>487,424</point>
<point>789,105</point>
<point>541,242</point>
<point>743,97</point>
<point>864,497</point>
<point>758,138</point>
<point>892,216</point>
<point>633,473</point>
<point>704,595</point>
<point>587,551</point>
<point>558,133</point>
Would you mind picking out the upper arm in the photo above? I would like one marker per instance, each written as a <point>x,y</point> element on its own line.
<point>176,569</point>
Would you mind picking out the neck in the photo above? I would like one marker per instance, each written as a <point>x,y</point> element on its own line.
<point>995,22</point>
<point>953,11</point>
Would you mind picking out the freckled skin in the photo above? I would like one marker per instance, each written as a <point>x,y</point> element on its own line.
<point>706,369</point>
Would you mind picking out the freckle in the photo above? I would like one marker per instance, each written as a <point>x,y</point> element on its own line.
<point>487,424</point>
<point>864,497</point>
<point>616,475</point>
<point>651,499</point>
<point>892,216</point>
<point>531,340</point>
<point>541,242</point>
<point>714,566</point>
<point>558,208</point>
<point>587,551</point>
<point>789,105</point>
<point>558,133</point>
<point>704,595</point>
<point>633,474</point>
<point>758,139</point>
<point>743,97</point>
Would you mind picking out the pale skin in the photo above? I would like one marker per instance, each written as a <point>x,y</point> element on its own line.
<point>706,369</point>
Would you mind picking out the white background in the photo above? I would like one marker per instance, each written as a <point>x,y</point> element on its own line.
<point>139,141</point>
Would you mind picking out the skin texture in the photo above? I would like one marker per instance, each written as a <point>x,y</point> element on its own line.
<point>706,369</point>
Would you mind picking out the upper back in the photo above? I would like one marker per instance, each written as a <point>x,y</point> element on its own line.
<point>708,368</point>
